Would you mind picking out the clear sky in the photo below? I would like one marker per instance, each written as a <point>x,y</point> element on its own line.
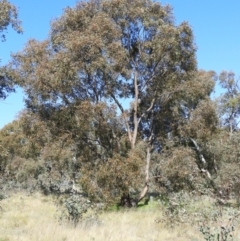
<point>215,25</point>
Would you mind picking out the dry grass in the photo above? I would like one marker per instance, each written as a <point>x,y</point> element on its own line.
<point>35,218</point>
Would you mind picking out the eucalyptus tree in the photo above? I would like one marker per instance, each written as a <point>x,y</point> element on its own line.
<point>112,52</point>
<point>8,16</point>
<point>230,100</point>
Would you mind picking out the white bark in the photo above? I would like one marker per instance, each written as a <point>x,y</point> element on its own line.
<point>146,187</point>
<point>135,119</point>
<point>202,159</point>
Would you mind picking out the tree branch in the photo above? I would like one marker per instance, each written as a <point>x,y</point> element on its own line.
<point>149,109</point>
<point>124,116</point>
<point>201,158</point>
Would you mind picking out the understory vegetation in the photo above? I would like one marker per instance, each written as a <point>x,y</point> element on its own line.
<point>120,138</point>
<point>38,217</point>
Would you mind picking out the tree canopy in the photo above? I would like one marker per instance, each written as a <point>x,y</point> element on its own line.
<point>104,52</point>
<point>8,16</point>
<point>101,56</point>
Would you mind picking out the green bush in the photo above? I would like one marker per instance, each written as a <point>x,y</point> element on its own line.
<point>74,207</point>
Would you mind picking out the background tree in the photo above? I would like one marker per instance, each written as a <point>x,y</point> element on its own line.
<point>229,105</point>
<point>8,16</point>
<point>183,162</point>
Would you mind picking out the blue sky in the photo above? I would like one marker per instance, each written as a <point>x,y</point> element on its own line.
<point>215,25</point>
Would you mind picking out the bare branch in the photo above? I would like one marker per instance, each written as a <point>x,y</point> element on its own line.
<point>149,109</point>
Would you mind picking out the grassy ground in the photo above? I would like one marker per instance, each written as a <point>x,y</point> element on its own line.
<point>36,218</point>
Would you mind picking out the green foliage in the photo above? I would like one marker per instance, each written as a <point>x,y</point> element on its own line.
<point>2,196</point>
<point>219,235</point>
<point>75,127</point>
<point>73,208</point>
<point>214,221</point>
<point>223,150</point>
<point>229,102</point>
<point>175,169</point>
<point>223,233</point>
<point>99,54</point>
<point>108,181</point>
<point>175,212</point>
<point>8,16</point>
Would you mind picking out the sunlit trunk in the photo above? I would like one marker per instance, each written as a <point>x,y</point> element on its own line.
<point>146,187</point>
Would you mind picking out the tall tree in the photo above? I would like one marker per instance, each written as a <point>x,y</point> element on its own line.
<point>114,51</point>
<point>230,100</point>
<point>8,16</point>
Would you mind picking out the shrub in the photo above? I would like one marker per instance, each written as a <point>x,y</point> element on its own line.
<point>73,208</point>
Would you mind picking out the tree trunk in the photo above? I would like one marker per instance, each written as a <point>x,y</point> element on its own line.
<point>127,201</point>
<point>203,167</point>
<point>132,134</point>
<point>146,187</point>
